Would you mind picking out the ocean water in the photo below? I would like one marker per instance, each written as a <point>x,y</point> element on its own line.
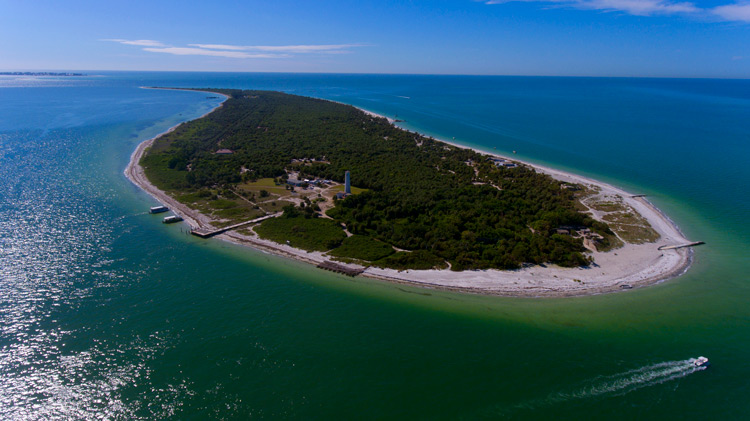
<point>107,313</point>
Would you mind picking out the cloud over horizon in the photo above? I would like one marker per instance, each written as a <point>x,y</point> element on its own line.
<point>138,42</point>
<point>237,51</point>
<point>632,7</point>
<point>735,12</point>
<point>188,51</point>
<point>291,49</point>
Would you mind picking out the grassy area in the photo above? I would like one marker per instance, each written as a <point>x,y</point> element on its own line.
<point>263,182</point>
<point>635,234</point>
<point>362,248</point>
<point>239,213</point>
<point>580,207</point>
<point>312,234</point>
<point>210,203</point>
<point>609,206</point>
<point>197,200</point>
<point>340,188</point>
<point>625,218</point>
<point>418,259</point>
<point>223,204</point>
<point>631,227</point>
<point>266,184</point>
<point>273,206</point>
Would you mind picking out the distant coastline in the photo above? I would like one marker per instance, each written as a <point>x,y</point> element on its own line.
<point>40,74</point>
<point>631,266</point>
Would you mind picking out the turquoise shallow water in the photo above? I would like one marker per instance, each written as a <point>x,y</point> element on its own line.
<point>106,312</point>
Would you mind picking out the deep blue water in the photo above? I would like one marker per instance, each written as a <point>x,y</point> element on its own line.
<point>105,311</point>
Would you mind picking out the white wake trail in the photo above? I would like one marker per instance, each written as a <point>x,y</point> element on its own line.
<point>619,384</point>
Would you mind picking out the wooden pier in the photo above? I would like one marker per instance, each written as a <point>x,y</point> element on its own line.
<point>203,232</point>
<point>679,246</point>
<point>335,267</point>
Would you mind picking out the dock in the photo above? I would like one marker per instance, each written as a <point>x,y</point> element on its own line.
<point>203,232</point>
<point>335,267</point>
<point>679,246</point>
<point>638,195</point>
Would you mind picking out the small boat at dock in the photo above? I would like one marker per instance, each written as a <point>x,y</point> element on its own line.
<point>171,219</point>
<point>158,209</point>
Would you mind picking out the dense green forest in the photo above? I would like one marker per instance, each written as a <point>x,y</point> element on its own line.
<point>435,202</point>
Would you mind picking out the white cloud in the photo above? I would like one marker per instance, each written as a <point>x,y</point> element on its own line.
<point>632,7</point>
<point>638,7</point>
<point>237,51</point>
<point>736,12</point>
<point>139,42</point>
<point>291,49</point>
<point>733,12</point>
<point>188,51</point>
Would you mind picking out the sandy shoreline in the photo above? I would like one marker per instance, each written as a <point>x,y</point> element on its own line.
<point>633,265</point>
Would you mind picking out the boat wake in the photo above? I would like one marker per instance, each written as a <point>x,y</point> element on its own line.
<point>623,383</point>
<point>619,384</point>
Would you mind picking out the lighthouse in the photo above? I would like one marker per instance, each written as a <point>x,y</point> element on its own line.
<point>347,183</point>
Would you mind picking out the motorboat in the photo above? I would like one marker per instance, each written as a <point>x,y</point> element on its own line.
<point>158,209</point>
<point>171,219</point>
<point>701,362</point>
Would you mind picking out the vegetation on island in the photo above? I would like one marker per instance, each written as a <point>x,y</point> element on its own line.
<point>422,203</point>
<point>313,234</point>
<point>628,225</point>
<point>362,247</point>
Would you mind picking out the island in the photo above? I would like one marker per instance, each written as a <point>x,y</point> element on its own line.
<point>347,190</point>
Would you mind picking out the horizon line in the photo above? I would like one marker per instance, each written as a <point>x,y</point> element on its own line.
<point>384,74</point>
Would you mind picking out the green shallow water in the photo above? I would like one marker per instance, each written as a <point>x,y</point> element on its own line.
<point>106,312</point>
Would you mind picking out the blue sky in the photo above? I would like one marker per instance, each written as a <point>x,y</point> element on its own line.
<point>526,37</point>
